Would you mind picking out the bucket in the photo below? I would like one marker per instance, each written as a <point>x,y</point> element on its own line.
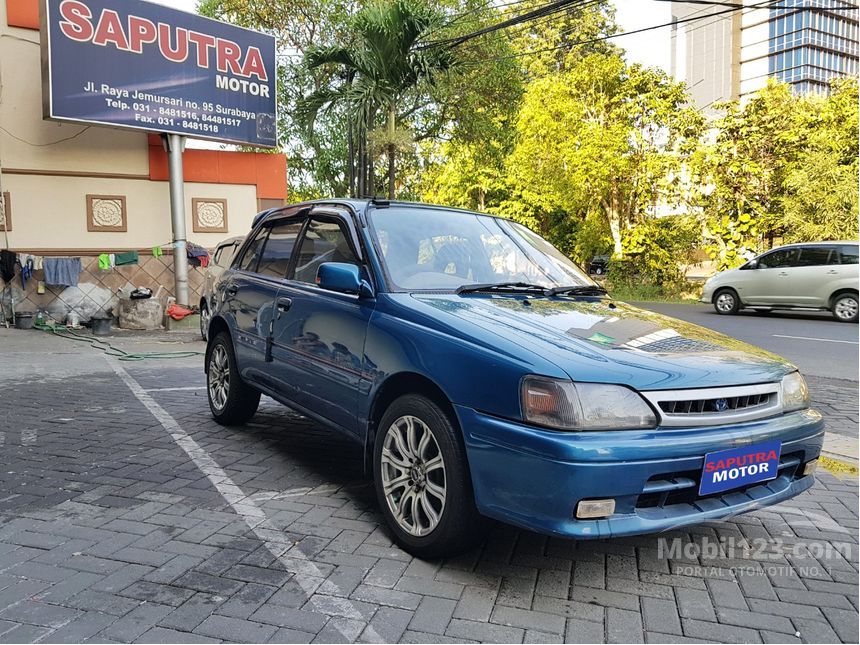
<point>100,325</point>
<point>24,319</point>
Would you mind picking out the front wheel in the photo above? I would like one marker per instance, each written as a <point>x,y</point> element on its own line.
<point>726,302</point>
<point>422,480</point>
<point>231,400</point>
<point>845,308</point>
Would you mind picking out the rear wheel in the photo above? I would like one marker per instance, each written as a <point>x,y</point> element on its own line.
<point>231,400</point>
<point>845,307</point>
<point>422,480</point>
<point>204,320</point>
<point>726,302</point>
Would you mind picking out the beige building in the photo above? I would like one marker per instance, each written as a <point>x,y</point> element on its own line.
<point>73,190</point>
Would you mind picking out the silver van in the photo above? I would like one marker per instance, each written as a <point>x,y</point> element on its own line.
<point>221,259</point>
<point>819,275</point>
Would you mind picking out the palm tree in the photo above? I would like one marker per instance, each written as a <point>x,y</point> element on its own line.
<point>374,74</point>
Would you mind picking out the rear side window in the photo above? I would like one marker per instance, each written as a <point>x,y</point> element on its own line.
<point>814,256</point>
<point>279,249</point>
<point>779,259</point>
<point>849,254</point>
<point>252,253</point>
<point>323,241</point>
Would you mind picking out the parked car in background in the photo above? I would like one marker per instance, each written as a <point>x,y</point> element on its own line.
<point>818,276</point>
<point>221,259</point>
<point>483,374</point>
<point>598,265</point>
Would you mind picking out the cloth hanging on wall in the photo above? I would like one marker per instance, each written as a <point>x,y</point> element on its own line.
<point>157,252</point>
<point>62,272</point>
<point>7,265</point>
<point>104,261</point>
<point>123,259</point>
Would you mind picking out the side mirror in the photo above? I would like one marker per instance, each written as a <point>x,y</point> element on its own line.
<point>343,278</point>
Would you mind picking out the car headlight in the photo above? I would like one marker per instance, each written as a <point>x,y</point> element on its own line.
<point>565,405</point>
<point>794,392</point>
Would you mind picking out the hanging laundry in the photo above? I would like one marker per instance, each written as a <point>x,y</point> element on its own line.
<point>25,258</point>
<point>7,265</point>
<point>157,252</point>
<point>197,255</point>
<point>130,257</point>
<point>27,268</point>
<point>104,262</point>
<point>62,272</point>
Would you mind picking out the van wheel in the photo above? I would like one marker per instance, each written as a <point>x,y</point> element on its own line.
<point>845,307</point>
<point>422,480</point>
<point>726,302</point>
<point>231,400</point>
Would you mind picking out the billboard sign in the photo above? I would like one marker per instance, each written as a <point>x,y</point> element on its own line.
<point>135,64</point>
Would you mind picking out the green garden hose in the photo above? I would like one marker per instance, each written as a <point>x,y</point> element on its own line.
<point>110,350</point>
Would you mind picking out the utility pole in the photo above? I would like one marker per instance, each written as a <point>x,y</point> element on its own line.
<point>174,144</point>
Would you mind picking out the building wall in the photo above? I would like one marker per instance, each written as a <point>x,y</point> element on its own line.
<point>48,170</point>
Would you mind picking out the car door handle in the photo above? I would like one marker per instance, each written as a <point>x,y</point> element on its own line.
<point>284,305</point>
<point>832,272</point>
<point>783,273</point>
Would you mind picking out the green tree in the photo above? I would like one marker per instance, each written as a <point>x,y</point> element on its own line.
<point>821,189</point>
<point>378,69</point>
<point>601,134</point>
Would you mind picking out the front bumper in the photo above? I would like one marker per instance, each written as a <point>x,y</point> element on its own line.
<point>534,478</point>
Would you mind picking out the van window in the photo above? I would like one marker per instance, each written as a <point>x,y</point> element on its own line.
<point>849,254</point>
<point>279,249</point>
<point>814,256</point>
<point>779,259</point>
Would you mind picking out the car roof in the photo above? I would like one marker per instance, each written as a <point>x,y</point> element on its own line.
<point>364,205</point>
<point>795,244</point>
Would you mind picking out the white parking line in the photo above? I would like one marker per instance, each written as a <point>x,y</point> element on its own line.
<point>823,340</point>
<point>306,573</point>
<point>175,389</point>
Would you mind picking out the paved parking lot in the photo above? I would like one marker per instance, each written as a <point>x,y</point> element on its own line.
<point>127,515</point>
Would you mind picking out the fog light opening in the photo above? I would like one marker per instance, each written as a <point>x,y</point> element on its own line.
<point>592,509</point>
<point>810,467</point>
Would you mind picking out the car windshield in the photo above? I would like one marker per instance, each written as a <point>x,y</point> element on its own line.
<point>426,249</point>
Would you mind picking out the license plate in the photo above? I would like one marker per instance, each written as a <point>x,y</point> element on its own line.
<point>736,467</point>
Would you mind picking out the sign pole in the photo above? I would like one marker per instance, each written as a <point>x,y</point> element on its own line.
<point>175,144</point>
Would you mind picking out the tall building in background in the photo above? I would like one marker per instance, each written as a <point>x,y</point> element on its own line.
<point>728,55</point>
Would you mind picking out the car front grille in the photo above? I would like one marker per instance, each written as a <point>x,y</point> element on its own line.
<point>715,406</point>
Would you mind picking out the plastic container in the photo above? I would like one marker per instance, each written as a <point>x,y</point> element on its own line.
<point>100,325</point>
<point>24,319</point>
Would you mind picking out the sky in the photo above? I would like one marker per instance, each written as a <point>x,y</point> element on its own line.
<point>649,48</point>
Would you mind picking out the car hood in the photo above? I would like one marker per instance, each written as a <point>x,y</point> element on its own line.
<point>602,340</point>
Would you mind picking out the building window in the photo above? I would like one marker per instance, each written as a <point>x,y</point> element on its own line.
<point>209,215</point>
<point>6,213</point>
<point>106,214</point>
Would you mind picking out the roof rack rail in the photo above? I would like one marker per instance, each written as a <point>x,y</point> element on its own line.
<point>380,202</point>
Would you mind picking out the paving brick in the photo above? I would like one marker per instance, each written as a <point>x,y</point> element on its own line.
<point>623,626</point>
<point>154,592</point>
<point>39,613</point>
<point>661,615</point>
<point>432,615</point>
<point>162,635</point>
<point>754,620</point>
<point>725,633</point>
<point>844,622</point>
<point>476,604</point>
<point>192,612</point>
<point>484,632</point>
<point>727,593</point>
<point>693,603</point>
<point>235,629</point>
<point>389,597</point>
<point>297,619</point>
<point>388,624</point>
<point>135,623</point>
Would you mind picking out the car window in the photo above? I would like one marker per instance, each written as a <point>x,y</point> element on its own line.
<point>279,248</point>
<point>323,241</point>
<point>779,259</point>
<point>252,252</point>
<point>849,254</point>
<point>814,256</point>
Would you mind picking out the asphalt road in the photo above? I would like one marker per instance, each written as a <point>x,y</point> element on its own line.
<point>815,342</point>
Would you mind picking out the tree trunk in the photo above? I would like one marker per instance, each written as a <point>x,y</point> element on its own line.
<point>350,161</point>
<point>613,214</point>
<point>392,148</point>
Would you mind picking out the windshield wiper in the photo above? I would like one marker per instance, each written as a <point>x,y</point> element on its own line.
<point>582,290</point>
<point>512,287</point>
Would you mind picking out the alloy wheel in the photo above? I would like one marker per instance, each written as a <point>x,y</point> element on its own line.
<point>413,476</point>
<point>725,302</point>
<point>219,377</point>
<point>846,308</point>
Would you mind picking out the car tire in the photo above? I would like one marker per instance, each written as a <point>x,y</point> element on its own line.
<point>430,510</point>
<point>726,302</point>
<point>231,400</point>
<point>845,307</point>
<point>204,321</point>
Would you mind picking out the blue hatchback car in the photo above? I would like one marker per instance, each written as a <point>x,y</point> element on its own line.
<point>486,376</point>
